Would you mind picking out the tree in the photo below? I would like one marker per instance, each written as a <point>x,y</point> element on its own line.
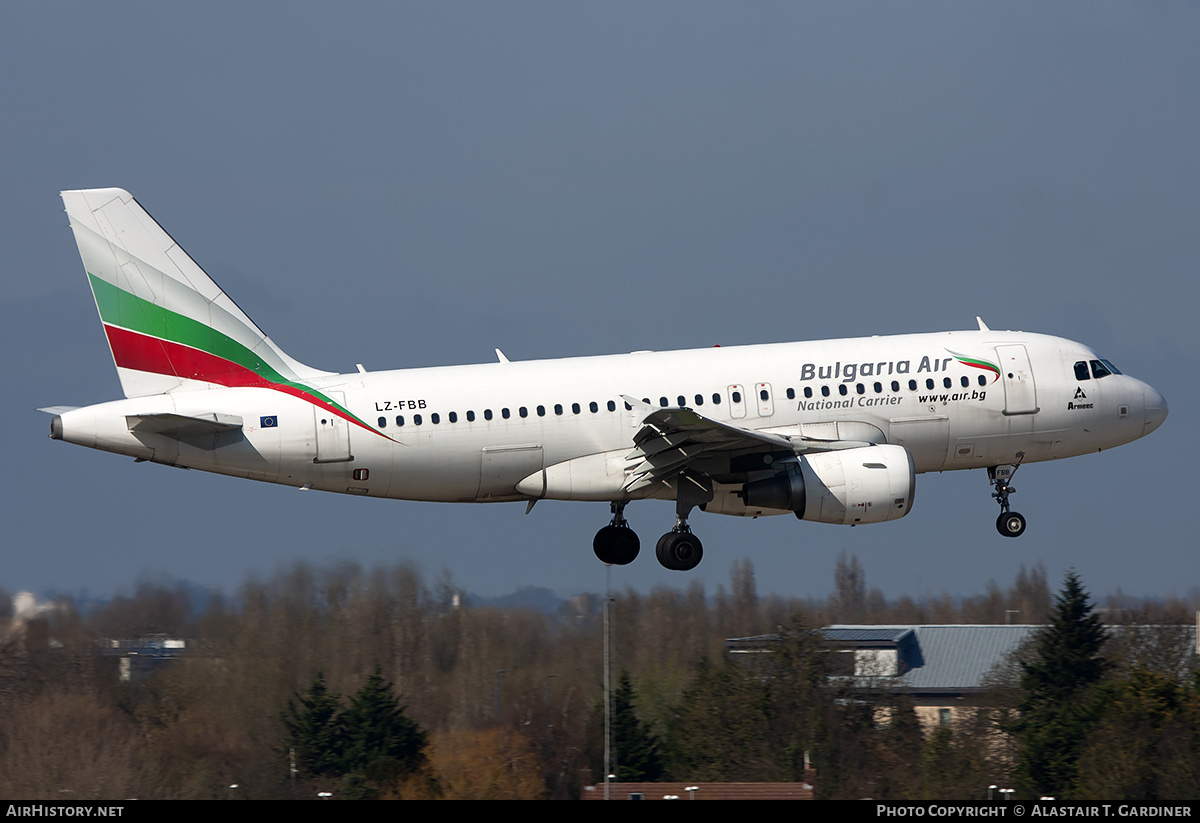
<point>636,749</point>
<point>382,743</point>
<point>315,729</point>
<point>1060,699</point>
<point>721,728</point>
<point>1148,744</point>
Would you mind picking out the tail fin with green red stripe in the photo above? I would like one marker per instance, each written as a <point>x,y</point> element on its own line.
<point>169,326</point>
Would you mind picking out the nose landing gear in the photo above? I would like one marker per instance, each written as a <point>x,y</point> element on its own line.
<point>1009,523</point>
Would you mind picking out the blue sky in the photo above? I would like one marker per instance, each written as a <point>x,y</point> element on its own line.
<point>415,184</point>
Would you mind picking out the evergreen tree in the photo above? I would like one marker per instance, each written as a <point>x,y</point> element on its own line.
<point>721,728</point>
<point>636,749</point>
<point>382,742</point>
<point>315,729</point>
<point>1061,701</point>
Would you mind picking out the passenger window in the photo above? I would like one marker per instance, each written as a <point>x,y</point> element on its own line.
<point>435,419</point>
<point>736,397</point>
<point>912,385</point>
<point>762,395</point>
<point>558,408</point>
<point>879,388</point>
<point>399,420</point>
<point>662,401</point>
<point>860,388</point>
<point>453,417</point>
<point>416,419</point>
<point>929,383</point>
<point>541,410</point>
<point>575,408</point>
<point>966,381</point>
<point>1081,371</point>
<point>505,413</point>
<point>716,399</point>
<point>808,391</point>
<point>470,416</point>
<point>612,406</point>
<point>487,414</point>
<point>895,385</point>
<point>383,422</point>
<point>824,391</point>
<point>682,401</point>
<point>524,412</point>
<point>946,382</point>
<point>842,390</point>
<point>982,380</point>
<point>791,394</point>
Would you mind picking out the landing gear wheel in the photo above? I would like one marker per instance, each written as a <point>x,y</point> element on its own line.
<point>679,551</point>
<point>1010,524</point>
<point>616,545</point>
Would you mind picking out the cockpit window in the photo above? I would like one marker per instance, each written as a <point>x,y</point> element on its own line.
<point>1111,367</point>
<point>1099,369</point>
<point>1081,371</point>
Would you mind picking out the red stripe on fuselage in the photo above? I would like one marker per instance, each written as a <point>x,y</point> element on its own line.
<point>132,350</point>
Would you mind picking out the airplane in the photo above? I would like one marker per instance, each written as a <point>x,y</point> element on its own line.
<point>830,431</point>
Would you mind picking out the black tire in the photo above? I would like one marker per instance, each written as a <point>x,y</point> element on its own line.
<point>679,551</point>
<point>616,545</point>
<point>1010,524</point>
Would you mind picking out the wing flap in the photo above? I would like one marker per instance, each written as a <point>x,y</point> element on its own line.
<point>670,440</point>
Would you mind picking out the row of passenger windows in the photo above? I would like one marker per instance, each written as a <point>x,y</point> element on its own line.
<point>860,388</point>
<point>698,401</point>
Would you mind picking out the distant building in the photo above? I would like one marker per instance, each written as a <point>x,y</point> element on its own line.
<point>138,658</point>
<point>948,670</point>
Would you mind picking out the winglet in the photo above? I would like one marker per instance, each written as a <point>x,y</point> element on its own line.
<point>982,325</point>
<point>500,356</point>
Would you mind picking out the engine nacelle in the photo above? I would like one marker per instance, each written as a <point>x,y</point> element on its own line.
<point>872,484</point>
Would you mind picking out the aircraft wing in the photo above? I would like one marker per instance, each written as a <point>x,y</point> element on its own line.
<point>676,439</point>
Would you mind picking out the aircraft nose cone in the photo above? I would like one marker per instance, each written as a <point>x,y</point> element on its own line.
<point>1156,409</point>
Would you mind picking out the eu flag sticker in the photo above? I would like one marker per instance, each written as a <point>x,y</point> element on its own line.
<point>268,422</point>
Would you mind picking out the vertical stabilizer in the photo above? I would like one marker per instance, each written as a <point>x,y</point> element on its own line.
<point>169,326</point>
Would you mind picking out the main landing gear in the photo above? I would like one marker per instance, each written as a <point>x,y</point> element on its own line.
<point>1009,523</point>
<point>617,544</point>
<point>678,550</point>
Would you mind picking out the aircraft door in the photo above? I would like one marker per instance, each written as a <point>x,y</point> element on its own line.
<point>333,433</point>
<point>1020,393</point>
<point>737,401</point>
<point>766,405</point>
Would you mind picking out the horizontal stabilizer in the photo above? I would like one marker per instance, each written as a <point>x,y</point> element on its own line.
<point>57,409</point>
<point>178,425</point>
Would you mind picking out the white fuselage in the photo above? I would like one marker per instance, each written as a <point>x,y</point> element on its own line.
<point>562,429</point>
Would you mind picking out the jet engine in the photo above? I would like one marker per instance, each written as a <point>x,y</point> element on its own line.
<point>870,484</point>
